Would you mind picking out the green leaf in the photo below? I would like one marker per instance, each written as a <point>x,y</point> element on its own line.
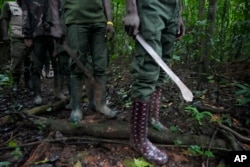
<point>177,142</point>
<point>4,164</point>
<point>173,128</point>
<point>142,163</point>
<point>12,144</point>
<point>129,163</point>
<point>209,154</point>
<point>49,109</point>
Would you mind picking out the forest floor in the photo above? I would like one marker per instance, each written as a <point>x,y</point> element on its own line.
<point>21,144</point>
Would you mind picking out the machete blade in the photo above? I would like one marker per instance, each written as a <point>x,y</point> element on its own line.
<point>186,93</point>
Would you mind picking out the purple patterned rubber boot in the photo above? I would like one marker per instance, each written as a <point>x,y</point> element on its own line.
<point>154,108</point>
<point>139,132</point>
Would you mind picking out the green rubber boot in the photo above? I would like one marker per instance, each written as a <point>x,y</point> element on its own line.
<point>90,91</point>
<point>76,94</point>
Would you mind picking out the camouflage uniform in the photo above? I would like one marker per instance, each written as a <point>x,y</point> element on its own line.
<point>12,13</point>
<point>41,24</point>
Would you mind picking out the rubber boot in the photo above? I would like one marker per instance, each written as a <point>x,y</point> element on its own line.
<point>36,85</point>
<point>139,132</point>
<point>154,108</point>
<point>16,80</point>
<point>58,86</point>
<point>90,91</point>
<point>100,98</point>
<point>76,94</point>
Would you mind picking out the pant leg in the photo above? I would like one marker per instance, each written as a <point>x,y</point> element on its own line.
<point>78,39</point>
<point>98,50</point>
<point>18,51</point>
<point>168,38</point>
<point>144,71</point>
<point>37,61</point>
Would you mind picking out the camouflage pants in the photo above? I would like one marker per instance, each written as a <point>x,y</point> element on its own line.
<point>158,25</point>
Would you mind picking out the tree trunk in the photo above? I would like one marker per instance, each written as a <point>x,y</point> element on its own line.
<point>113,129</point>
<point>207,45</point>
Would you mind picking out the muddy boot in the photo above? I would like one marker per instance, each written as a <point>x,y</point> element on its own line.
<point>58,87</point>
<point>154,108</point>
<point>36,85</point>
<point>90,95</point>
<point>139,132</point>
<point>76,94</point>
<point>100,99</point>
<point>16,80</point>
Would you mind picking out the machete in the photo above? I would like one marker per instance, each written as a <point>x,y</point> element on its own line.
<point>186,93</point>
<point>78,62</point>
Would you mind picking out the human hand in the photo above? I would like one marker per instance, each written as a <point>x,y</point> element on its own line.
<point>110,31</point>
<point>181,29</point>
<point>131,23</point>
<point>28,42</point>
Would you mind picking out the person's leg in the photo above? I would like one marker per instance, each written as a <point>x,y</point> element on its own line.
<point>64,70</point>
<point>77,36</point>
<point>17,60</point>
<point>145,74</point>
<point>27,64</point>
<point>47,65</point>
<point>38,52</point>
<point>168,37</point>
<point>58,76</point>
<point>98,51</point>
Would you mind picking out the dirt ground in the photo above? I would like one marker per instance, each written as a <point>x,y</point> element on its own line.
<point>95,152</point>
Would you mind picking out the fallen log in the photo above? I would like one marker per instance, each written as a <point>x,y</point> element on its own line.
<point>36,111</point>
<point>114,129</point>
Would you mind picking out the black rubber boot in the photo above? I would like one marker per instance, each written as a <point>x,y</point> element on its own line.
<point>139,132</point>
<point>154,108</point>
